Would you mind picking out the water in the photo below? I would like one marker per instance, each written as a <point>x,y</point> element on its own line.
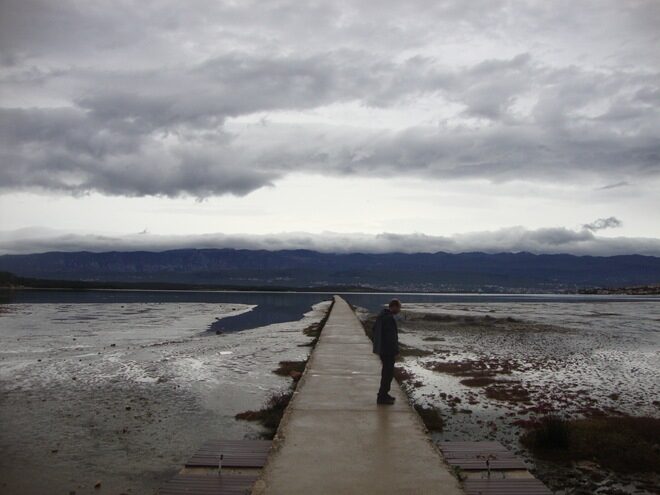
<point>277,307</point>
<point>268,307</point>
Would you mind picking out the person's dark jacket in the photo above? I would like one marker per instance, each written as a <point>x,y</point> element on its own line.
<point>385,334</point>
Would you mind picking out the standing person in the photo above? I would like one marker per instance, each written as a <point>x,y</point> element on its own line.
<point>386,345</point>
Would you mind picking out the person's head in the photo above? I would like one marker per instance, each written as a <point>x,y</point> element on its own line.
<point>395,306</point>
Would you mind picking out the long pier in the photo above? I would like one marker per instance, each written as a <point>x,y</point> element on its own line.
<point>335,439</point>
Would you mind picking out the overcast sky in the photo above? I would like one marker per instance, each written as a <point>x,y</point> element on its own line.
<point>407,125</point>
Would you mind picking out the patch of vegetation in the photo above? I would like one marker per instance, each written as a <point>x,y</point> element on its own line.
<point>405,377</point>
<point>314,330</point>
<point>431,417</point>
<point>402,375</point>
<point>550,433</point>
<point>271,413</point>
<point>509,391</point>
<point>623,444</point>
<point>294,369</point>
<point>465,322</point>
<point>484,367</point>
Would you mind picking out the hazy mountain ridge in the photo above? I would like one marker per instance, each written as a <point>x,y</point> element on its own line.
<point>304,268</point>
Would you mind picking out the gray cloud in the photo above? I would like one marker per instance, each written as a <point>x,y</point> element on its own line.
<point>603,223</point>
<point>134,98</point>
<point>514,239</point>
<point>616,185</point>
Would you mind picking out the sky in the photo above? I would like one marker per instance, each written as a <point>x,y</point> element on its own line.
<point>478,125</point>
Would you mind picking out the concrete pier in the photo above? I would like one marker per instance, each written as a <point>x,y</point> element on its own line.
<point>334,439</point>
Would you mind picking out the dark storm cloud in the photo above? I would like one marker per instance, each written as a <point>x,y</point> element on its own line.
<point>133,98</point>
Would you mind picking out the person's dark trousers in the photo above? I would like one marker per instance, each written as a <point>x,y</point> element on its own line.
<point>386,374</point>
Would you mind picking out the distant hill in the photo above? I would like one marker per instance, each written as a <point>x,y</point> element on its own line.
<point>501,272</point>
<point>640,290</point>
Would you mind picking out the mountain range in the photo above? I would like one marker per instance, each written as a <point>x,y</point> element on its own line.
<point>476,271</point>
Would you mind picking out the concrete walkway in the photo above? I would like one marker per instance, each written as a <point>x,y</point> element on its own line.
<point>334,439</point>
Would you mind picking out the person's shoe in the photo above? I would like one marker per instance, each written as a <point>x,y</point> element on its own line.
<point>390,397</point>
<point>385,400</point>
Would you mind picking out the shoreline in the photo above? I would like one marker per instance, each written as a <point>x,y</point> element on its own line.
<point>11,282</point>
<point>613,296</point>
